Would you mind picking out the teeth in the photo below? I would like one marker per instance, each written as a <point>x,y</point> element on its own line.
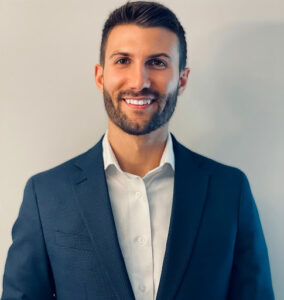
<point>138,102</point>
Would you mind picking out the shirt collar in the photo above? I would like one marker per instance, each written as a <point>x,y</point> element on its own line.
<point>110,159</point>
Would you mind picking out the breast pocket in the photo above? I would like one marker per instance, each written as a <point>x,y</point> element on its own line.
<point>74,241</point>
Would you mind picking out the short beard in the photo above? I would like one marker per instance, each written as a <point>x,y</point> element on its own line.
<point>158,119</point>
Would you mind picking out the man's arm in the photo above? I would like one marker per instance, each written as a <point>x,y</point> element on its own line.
<point>251,278</point>
<point>27,272</point>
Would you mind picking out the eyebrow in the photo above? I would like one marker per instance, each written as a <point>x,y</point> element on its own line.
<point>125,54</point>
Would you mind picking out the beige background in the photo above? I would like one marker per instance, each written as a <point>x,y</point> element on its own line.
<point>232,110</point>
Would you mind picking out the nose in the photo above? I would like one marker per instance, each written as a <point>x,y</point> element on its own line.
<point>139,77</point>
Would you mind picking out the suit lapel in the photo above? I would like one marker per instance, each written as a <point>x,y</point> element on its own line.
<point>190,188</point>
<point>94,204</point>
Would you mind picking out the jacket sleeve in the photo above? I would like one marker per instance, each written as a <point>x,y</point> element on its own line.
<point>250,278</point>
<point>27,272</point>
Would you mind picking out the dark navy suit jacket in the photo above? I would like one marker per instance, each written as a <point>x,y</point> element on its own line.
<point>65,244</point>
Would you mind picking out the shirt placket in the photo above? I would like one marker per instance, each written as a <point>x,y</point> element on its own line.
<point>141,241</point>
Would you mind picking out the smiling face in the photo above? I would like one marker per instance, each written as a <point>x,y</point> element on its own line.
<point>140,79</point>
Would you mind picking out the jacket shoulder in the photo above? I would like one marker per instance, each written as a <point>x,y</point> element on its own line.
<point>207,164</point>
<point>62,171</point>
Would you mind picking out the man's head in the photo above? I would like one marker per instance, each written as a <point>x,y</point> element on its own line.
<point>145,14</point>
<point>142,66</point>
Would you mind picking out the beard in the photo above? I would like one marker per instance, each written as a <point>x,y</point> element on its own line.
<point>157,120</point>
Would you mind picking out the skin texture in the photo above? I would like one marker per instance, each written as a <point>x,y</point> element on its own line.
<point>140,63</point>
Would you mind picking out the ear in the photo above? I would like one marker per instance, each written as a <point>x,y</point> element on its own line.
<point>183,80</point>
<point>99,78</point>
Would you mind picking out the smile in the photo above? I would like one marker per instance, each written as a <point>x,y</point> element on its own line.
<point>138,102</point>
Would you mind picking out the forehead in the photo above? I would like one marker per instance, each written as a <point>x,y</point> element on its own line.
<point>133,38</point>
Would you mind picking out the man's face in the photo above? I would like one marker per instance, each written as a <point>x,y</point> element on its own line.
<point>140,79</point>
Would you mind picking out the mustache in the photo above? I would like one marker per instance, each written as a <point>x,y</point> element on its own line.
<point>145,92</point>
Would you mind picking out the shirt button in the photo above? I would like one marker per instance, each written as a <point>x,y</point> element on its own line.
<point>137,195</point>
<point>142,288</point>
<point>141,240</point>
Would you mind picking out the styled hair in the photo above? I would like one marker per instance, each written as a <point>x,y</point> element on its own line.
<point>145,14</point>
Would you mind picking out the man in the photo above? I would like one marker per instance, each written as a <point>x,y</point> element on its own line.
<point>139,216</point>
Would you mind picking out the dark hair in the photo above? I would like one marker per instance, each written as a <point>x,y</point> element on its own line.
<point>145,14</point>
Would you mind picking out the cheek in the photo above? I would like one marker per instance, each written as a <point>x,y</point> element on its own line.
<point>113,80</point>
<point>173,85</point>
<point>166,83</point>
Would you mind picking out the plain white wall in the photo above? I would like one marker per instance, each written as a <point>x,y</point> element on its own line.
<point>232,110</point>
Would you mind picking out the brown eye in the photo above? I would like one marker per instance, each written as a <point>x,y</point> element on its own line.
<point>123,61</point>
<point>157,63</point>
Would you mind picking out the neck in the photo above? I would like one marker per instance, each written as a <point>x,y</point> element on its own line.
<point>137,154</point>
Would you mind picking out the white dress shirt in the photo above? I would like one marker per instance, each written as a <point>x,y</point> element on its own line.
<point>141,208</point>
